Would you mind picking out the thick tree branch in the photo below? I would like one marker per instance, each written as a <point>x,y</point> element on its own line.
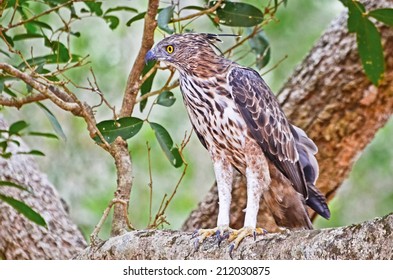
<point>119,152</point>
<point>330,97</point>
<point>134,82</point>
<point>369,240</point>
<point>19,102</point>
<point>21,238</point>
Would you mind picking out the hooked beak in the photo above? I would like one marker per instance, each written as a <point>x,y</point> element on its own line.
<point>150,55</point>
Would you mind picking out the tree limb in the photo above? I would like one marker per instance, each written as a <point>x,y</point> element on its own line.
<point>133,81</point>
<point>369,240</point>
<point>22,239</point>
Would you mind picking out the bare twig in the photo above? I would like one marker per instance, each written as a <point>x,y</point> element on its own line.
<point>201,13</point>
<point>150,185</point>
<point>5,29</point>
<point>275,65</point>
<point>97,228</point>
<point>155,92</point>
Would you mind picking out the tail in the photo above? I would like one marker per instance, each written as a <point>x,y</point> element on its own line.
<point>307,149</point>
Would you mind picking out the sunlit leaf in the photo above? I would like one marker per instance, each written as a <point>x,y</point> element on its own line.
<point>53,121</point>
<point>383,15</point>
<point>16,127</point>
<point>13,185</point>
<point>147,85</point>
<point>164,17</point>
<point>371,51</point>
<point>24,209</point>
<point>124,127</point>
<point>166,144</point>
<point>238,14</point>
<point>166,98</point>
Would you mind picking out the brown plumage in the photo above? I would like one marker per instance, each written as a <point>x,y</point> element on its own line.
<point>239,121</point>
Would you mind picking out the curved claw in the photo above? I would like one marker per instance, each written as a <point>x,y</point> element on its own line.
<point>231,248</point>
<point>195,234</point>
<point>196,244</point>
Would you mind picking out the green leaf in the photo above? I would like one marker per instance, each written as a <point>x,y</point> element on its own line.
<point>260,46</point>
<point>42,134</point>
<point>95,7</point>
<point>356,12</point>
<point>113,21</point>
<point>16,127</point>
<point>32,153</point>
<point>24,209</point>
<point>383,15</point>
<point>371,51</point>
<point>147,85</point>
<point>164,17</point>
<point>53,121</point>
<point>166,143</point>
<point>14,185</point>
<point>121,8</point>
<point>29,25</point>
<point>136,18</point>
<point>166,98</point>
<point>6,155</point>
<point>238,14</point>
<point>9,91</point>
<point>49,59</point>
<point>61,51</point>
<point>124,127</point>
<point>27,36</point>
<point>8,39</point>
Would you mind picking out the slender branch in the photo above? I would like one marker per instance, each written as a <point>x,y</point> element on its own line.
<point>5,29</point>
<point>134,82</point>
<point>155,92</point>
<point>201,13</point>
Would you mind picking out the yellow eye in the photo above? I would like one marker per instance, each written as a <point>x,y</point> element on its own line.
<point>169,49</point>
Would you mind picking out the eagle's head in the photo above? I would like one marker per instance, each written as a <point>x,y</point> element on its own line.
<point>183,51</point>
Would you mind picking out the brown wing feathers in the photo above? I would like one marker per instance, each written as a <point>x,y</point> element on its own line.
<point>267,123</point>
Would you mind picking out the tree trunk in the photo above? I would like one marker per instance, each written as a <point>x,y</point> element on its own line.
<point>19,237</point>
<point>369,240</point>
<point>329,97</point>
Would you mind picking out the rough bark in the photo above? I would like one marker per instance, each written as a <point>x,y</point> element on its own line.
<point>330,97</point>
<point>369,240</point>
<point>21,238</point>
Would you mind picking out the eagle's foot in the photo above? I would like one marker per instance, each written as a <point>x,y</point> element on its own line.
<point>237,236</point>
<point>220,232</point>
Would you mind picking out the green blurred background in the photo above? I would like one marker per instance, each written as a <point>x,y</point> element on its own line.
<point>85,175</point>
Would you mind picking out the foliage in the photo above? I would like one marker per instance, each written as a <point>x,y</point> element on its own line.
<point>368,37</point>
<point>37,47</point>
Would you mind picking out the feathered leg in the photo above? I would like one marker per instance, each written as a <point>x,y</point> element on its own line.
<point>224,177</point>
<point>258,180</point>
